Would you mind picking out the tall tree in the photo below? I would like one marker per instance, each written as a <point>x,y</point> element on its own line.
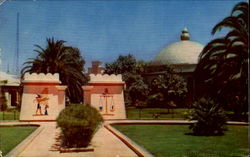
<point>168,89</point>
<point>223,63</point>
<point>65,60</point>
<point>131,71</point>
<point>123,64</point>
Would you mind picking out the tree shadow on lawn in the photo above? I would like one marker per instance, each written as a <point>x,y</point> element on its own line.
<point>193,134</point>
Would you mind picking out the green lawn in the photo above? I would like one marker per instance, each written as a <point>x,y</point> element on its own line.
<point>9,115</point>
<point>171,140</point>
<point>147,113</point>
<point>12,136</point>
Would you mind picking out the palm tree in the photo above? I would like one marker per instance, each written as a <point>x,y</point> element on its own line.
<point>65,60</point>
<point>223,63</point>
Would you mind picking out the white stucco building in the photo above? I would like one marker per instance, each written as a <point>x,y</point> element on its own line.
<point>10,89</point>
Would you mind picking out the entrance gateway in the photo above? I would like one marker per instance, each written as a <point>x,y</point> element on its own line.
<point>43,97</point>
<point>105,93</point>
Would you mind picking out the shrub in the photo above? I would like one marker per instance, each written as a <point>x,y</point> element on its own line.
<point>210,118</point>
<point>78,124</point>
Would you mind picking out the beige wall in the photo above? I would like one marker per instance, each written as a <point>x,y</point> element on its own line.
<point>93,95</point>
<point>46,86</point>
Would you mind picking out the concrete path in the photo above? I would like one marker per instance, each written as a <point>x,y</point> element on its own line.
<point>45,144</point>
<point>44,141</point>
<point>108,145</point>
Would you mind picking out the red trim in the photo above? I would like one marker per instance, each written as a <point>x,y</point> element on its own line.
<point>76,150</point>
<point>40,83</point>
<point>37,120</point>
<point>107,114</point>
<point>39,115</point>
<point>105,84</point>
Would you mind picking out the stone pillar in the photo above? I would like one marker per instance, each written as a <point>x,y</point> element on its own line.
<point>87,94</point>
<point>17,98</point>
<point>105,93</point>
<point>43,98</point>
<point>8,99</point>
<point>61,97</point>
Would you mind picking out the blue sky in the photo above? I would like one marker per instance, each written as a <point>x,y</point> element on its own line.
<point>103,30</point>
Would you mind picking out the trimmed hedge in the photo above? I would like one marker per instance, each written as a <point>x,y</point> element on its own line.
<point>78,124</point>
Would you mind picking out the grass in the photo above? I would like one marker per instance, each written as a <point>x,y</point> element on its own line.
<point>9,115</point>
<point>147,113</point>
<point>12,136</point>
<point>171,140</point>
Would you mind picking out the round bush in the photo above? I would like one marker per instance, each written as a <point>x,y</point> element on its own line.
<point>78,124</point>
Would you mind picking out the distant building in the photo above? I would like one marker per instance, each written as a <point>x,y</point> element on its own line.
<point>183,56</point>
<point>10,90</point>
<point>96,68</point>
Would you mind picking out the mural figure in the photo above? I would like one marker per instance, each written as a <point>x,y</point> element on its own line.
<point>39,100</point>
<point>46,111</point>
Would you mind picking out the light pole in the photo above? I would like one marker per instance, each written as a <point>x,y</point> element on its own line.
<point>0,58</point>
<point>2,1</point>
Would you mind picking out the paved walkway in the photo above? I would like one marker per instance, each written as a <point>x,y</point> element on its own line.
<point>105,144</point>
<point>44,141</point>
<point>108,145</point>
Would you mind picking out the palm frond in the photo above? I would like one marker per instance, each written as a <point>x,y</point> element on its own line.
<point>65,60</point>
<point>240,7</point>
<point>230,22</point>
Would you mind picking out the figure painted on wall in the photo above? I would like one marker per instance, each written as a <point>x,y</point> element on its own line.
<point>41,101</point>
<point>46,111</point>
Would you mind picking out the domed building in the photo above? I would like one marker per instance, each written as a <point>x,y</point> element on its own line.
<point>182,56</point>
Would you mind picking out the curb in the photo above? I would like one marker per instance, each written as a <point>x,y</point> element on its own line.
<point>21,146</point>
<point>166,122</point>
<point>238,123</point>
<point>13,125</point>
<point>76,150</point>
<point>141,152</point>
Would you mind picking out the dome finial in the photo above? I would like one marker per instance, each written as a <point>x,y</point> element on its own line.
<point>185,34</point>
